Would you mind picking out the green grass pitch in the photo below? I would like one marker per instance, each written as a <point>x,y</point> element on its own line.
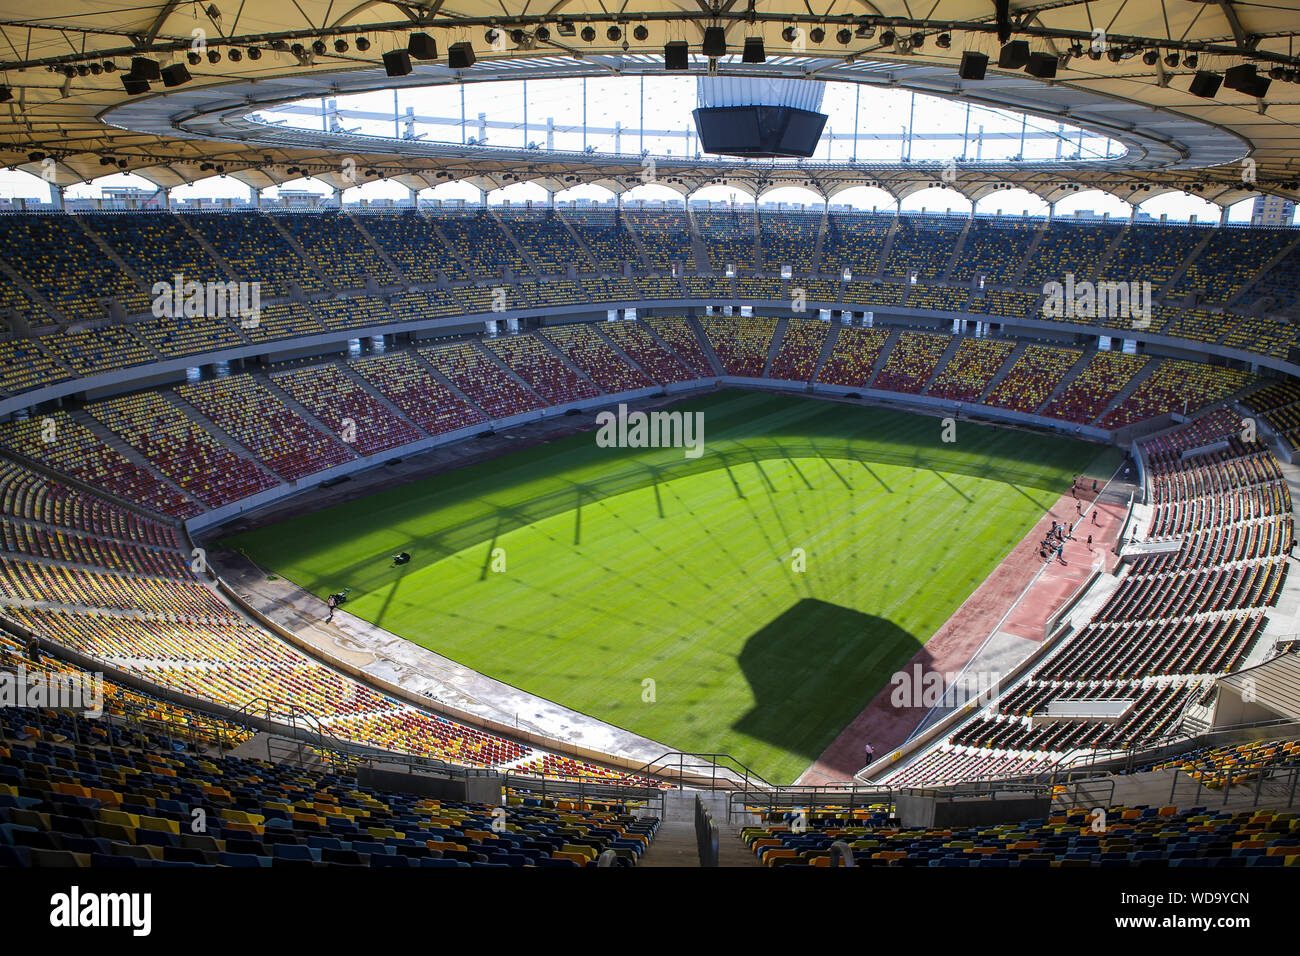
<point>628,565</point>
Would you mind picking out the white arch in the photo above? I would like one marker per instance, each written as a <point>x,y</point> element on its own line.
<point>598,194</point>
<point>518,194</point>
<point>791,195</point>
<point>865,197</point>
<point>373,188</point>
<point>1094,201</point>
<point>94,188</point>
<point>729,192</point>
<point>211,187</point>
<point>303,184</point>
<point>936,199</point>
<point>653,192</point>
<point>452,191</point>
<point>1011,202</point>
<point>1241,210</point>
<point>1180,207</point>
<point>18,184</point>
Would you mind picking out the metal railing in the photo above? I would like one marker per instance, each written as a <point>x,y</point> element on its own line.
<point>706,835</point>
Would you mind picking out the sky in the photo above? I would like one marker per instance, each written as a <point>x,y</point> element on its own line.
<point>866,123</point>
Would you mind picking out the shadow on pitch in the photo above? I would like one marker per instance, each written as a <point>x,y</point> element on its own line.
<point>813,669</point>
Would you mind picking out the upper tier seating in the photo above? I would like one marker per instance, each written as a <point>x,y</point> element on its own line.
<point>338,248</point>
<point>729,238</point>
<point>411,240</point>
<point>605,234</point>
<point>548,242</point>
<point>252,245</point>
<point>788,239</point>
<point>57,258</point>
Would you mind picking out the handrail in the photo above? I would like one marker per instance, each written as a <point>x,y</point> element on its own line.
<point>706,835</point>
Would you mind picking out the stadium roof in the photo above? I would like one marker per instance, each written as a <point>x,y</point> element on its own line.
<point>66,106</point>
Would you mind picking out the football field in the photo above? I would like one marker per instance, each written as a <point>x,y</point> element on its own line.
<point>750,601</point>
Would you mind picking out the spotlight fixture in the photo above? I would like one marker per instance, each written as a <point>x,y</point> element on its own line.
<point>943,41</point>
<point>844,36</point>
<point>1191,60</point>
<point>566,28</point>
<point>753,52</point>
<point>1277,73</point>
<point>106,160</point>
<point>318,47</point>
<point>542,34</point>
<point>6,94</point>
<point>193,58</point>
<point>235,54</point>
<point>83,70</point>
<point>588,34</point>
<point>340,45</point>
<point>279,46</point>
<point>490,37</point>
<point>789,34</point>
<point>715,41</point>
<point>639,32</point>
<point>298,50</point>
<point>1094,53</point>
<point>886,37</point>
<point>817,34</point>
<point>110,66</point>
<point>255,53</point>
<point>363,44</point>
<point>214,56</point>
<point>204,167</point>
<point>1171,60</point>
<point>1113,54</point>
<point>918,40</point>
<point>123,163</point>
<point>96,69</point>
<point>36,157</point>
<point>1151,57</point>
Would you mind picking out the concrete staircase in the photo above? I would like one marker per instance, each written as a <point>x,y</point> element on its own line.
<point>774,346</point>
<point>674,843</point>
